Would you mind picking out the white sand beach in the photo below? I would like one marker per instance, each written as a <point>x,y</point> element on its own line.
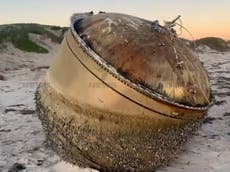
<point>22,137</point>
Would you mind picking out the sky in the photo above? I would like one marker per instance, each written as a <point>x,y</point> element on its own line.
<point>201,17</point>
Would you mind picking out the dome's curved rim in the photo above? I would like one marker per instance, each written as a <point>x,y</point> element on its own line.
<point>111,70</point>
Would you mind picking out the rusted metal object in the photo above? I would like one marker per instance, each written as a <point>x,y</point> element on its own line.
<point>123,94</point>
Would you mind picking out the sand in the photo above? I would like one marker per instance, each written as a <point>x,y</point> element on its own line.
<point>22,137</point>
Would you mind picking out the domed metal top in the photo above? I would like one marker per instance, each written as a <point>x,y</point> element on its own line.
<point>148,55</point>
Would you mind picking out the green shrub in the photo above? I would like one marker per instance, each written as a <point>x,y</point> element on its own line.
<point>217,44</point>
<point>18,35</point>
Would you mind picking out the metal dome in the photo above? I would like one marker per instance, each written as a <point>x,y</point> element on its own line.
<point>147,54</point>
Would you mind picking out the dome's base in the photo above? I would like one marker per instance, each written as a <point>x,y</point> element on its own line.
<point>119,143</point>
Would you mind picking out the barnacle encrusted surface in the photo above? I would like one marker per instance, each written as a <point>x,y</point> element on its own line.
<point>96,138</point>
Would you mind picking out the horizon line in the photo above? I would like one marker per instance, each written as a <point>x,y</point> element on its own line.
<point>59,25</point>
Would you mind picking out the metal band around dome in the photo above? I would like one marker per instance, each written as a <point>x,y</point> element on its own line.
<point>118,80</point>
<point>137,103</point>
